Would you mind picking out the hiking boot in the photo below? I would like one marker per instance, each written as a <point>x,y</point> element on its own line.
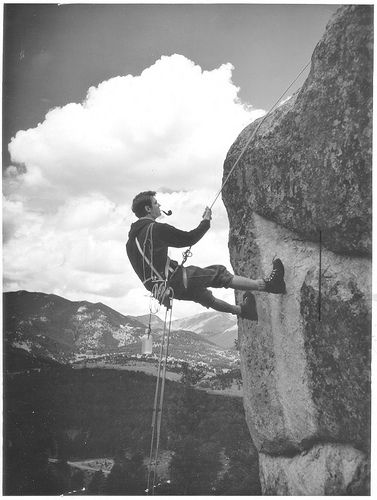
<point>275,282</point>
<point>249,307</point>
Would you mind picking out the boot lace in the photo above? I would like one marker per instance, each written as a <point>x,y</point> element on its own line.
<point>272,275</point>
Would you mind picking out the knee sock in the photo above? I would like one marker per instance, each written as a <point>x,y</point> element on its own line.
<point>241,283</point>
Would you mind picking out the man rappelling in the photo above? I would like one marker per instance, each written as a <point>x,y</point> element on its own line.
<point>147,249</point>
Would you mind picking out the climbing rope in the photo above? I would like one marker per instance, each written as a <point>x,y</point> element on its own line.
<point>188,252</point>
<point>159,393</point>
<point>254,133</point>
<point>162,290</point>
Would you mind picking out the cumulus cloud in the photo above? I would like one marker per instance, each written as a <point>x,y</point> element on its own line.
<point>173,125</point>
<point>70,186</point>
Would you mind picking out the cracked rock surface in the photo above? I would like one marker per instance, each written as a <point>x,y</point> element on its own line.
<point>306,363</point>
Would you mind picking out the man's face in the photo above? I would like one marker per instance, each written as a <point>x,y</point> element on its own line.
<point>155,209</point>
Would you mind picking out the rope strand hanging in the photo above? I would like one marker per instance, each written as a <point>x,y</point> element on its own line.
<point>164,349</point>
<point>159,399</point>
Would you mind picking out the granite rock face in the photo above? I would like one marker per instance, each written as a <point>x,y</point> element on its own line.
<point>306,362</point>
<point>310,164</point>
<point>324,470</point>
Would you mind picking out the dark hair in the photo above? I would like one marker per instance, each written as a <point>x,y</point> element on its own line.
<point>140,201</point>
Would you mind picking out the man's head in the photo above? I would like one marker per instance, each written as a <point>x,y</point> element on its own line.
<point>145,204</point>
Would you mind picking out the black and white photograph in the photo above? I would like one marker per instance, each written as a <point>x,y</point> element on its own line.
<point>187,249</point>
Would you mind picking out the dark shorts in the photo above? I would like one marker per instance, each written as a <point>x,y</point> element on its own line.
<point>198,279</point>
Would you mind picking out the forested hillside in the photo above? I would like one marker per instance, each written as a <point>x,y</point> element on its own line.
<point>64,415</point>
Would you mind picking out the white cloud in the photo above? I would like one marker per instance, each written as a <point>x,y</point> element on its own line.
<point>69,190</point>
<point>172,125</point>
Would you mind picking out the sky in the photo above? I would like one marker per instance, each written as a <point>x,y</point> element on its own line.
<point>104,101</point>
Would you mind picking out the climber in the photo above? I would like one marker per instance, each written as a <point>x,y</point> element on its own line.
<point>147,249</point>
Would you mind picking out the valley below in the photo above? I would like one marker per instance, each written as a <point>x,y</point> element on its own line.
<point>79,394</point>
<point>202,348</point>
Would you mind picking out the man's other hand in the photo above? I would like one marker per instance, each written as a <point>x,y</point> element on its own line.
<point>207,214</point>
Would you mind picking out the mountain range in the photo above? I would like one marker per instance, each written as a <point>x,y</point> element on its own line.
<point>220,328</point>
<point>58,329</point>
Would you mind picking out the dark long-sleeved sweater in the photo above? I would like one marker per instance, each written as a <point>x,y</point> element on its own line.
<point>154,241</point>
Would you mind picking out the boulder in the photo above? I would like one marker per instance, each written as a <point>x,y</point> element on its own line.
<point>302,192</point>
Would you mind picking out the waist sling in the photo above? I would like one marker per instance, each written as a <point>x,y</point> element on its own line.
<point>154,273</point>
